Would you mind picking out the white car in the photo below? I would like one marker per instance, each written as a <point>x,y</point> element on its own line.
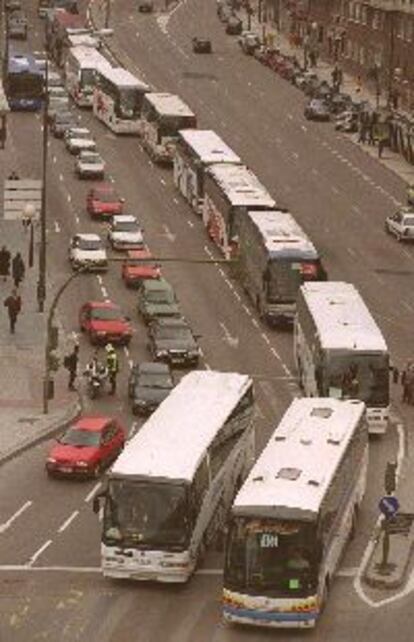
<point>401,224</point>
<point>125,233</point>
<point>78,139</point>
<point>88,251</point>
<point>90,165</point>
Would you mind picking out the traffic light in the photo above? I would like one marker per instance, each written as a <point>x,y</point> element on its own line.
<point>390,477</point>
<point>53,338</point>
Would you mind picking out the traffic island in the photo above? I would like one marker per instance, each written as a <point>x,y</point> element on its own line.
<point>388,563</point>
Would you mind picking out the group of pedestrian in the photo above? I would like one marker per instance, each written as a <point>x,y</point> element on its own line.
<point>367,125</point>
<point>407,382</point>
<point>13,302</point>
<point>71,362</point>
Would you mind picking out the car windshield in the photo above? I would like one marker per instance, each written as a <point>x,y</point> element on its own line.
<point>155,380</point>
<point>106,197</point>
<point>106,314</point>
<point>160,296</point>
<point>409,220</point>
<point>80,135</point>
<point>93,159</point>
<point>79,437</point>
<point>63,117</point>
<point>358,376</point>
<point>174,333</point>
<point>147,514</point>
<point>89,244</point>
<point>125,226</point>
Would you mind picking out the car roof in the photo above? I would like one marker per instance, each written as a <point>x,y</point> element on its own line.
<point>91,423</point>
<point>177,322</point>
<point>80,130</point>
<point>87,236</point>
<point>153,367</point>
<point>156,284</point>
<point>89,153</point>
<point>124,218</point>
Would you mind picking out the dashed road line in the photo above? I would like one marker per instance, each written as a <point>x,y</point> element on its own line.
<point>68,521</point>
<point>92,492</point>
<point>12,519</point>
<point>38,553</point>
<point>190,223</point>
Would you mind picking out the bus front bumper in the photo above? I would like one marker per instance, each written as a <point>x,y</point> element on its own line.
<point>270,619</point>
<point>151,566</point>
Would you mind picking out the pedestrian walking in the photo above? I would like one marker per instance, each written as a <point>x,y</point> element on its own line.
<point>407,382</point>
<point>4,262</point>
<point>372,127</point>
<point>112,365</point>
<point>18,269</point>
<point>363,127</point>
<point>382,141</point>
<point>71,364</point>
<point>13,303</point>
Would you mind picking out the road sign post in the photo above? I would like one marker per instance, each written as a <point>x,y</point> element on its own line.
<point>388,506</point>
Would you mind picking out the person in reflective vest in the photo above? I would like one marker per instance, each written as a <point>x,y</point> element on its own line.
<point>112,365</point>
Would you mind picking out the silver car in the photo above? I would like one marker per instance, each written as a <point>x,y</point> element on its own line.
<point>401,224</point>
<point>90,165</point>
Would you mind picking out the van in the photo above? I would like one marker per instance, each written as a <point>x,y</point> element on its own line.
<point>156,298</point>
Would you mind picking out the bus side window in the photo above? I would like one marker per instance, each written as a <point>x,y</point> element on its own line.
<point>200,485</point>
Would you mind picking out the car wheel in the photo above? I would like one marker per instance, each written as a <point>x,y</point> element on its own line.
<point>399,237</point>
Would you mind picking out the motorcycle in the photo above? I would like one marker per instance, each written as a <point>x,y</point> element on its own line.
<point>96,381</point>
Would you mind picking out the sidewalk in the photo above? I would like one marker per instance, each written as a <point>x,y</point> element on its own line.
<point>22,423</point>
<point>390,159</point>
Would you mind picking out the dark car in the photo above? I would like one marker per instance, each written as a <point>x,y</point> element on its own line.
<point>148,385</point>
<point>317,109</point>
<point>86,447</point>
<point>234,26</point>
<point>172,340</point>
<point>156,299</point>
<point>146,6</point>
<point>17,26</point>
<point>201,45</point>
<point>60,123</point>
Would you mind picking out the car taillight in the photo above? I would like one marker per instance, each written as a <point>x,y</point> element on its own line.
<point>309,270</point>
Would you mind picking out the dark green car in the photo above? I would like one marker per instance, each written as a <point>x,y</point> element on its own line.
<point>156,299</point>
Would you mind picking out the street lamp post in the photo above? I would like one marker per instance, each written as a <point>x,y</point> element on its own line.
<point>41,284</point>
<point>107,13</point>
<point>29,213</point>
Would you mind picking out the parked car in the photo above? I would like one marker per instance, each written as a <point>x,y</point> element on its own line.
<point>78,139</point>
<point>88,251</point>
<point>90,165</point>
<point>339,103</point>
<point>156,298</point>
<point>61,122</point>
<point>410,194</point>
<point>347,121</point>
<point>103,202</point>
<point>148,385</point>
<point>145,6</point>
<point>224,12</point>
<point>137,267</point>
<point>401,224</point>
<point>201,45</point>
<point>317,109</point>
<point>172,341</point>
<point>86,448</point>
<point>308,78</point>
<point>125,233</point>
<point>58,100</point>
<point>17,26</point>
<point>104,322</point>
<point>13,5</point>
<point>234,26</point>
<point>249,41</point>
<point>54,79</point>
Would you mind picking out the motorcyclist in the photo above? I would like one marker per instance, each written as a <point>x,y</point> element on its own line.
<point>96,370</point>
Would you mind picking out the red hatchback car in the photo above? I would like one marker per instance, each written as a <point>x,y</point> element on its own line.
<point>137,267</point>
<point>103,202</point>
<point>104,322</point>
<point>86,447</point>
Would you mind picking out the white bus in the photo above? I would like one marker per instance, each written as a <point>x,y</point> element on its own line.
<point>163,115</point>
<point>275,258</point>
<point>195,151</point>
<point>339,349</point>
<point>229,191</point>
<point>117,100</point>
<point>172,487</point>
<point>81,71</point>
<point>292,518</point>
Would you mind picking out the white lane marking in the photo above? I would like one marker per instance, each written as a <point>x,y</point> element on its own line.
<point>130,364</point>
<point>265,338</point>
<point>170,236</point>
<point>126,352</point>
<point>69,197</point>
<point>303,128</point>
<point>190,223</point>
<point>351,251</point>
<point>61,177</point>
<point>54,159</point>
<point>57,227</point>
<point>282,363</point>
<point>68,521</point>
<point>356,209</point>
<point>176,201</point>
<point>335,189</point>
<point>290,116</point>
<point>39,552</point>
<point>295,155</point>
<point>163,181</point>
<point>408,306</point>
<point>6,525</point>
<point>247,310</point>
<point>232,341</point>
<point>347,572</point>
<point>255,322</point>
<point>104,292</point>
<point>92,492</point>
<point>77,219</point>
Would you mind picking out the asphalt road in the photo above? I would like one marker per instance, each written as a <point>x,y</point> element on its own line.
<point>339,195</point>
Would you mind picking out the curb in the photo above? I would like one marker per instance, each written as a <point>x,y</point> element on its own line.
<point>374,579</point>
<point>71,413</point>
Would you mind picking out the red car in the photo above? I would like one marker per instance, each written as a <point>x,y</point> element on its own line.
<point>86,447</point>
<point>104,322</point>
<point>136,268</point>
<point>103,202</point>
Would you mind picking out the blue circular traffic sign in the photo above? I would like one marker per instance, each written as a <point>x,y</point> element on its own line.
<point>389,505</point>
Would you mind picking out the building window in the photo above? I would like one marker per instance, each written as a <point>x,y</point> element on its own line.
<point>376,20</point>
<point>364,15</point>
<point>357,12</point>
<point>408,30</point>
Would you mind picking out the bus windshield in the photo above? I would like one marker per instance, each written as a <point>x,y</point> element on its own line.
<point>128,102</point>
<point>283,277</point>
<point>88,77</point>
<point>147,515</point>
<point>359,376</point>
<point>271,558</point>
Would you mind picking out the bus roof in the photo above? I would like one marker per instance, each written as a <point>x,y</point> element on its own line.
<point>295,469</point>
<point>169,104</point>
<point>123,78</point>
<point>175,438</point>
<point>83,39</point>
<point>281,234</point>
<point>22,62</point>
<point>88,57</point>
<point>208,146</point>
<point>241,186</point>
<point>341,317</point>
